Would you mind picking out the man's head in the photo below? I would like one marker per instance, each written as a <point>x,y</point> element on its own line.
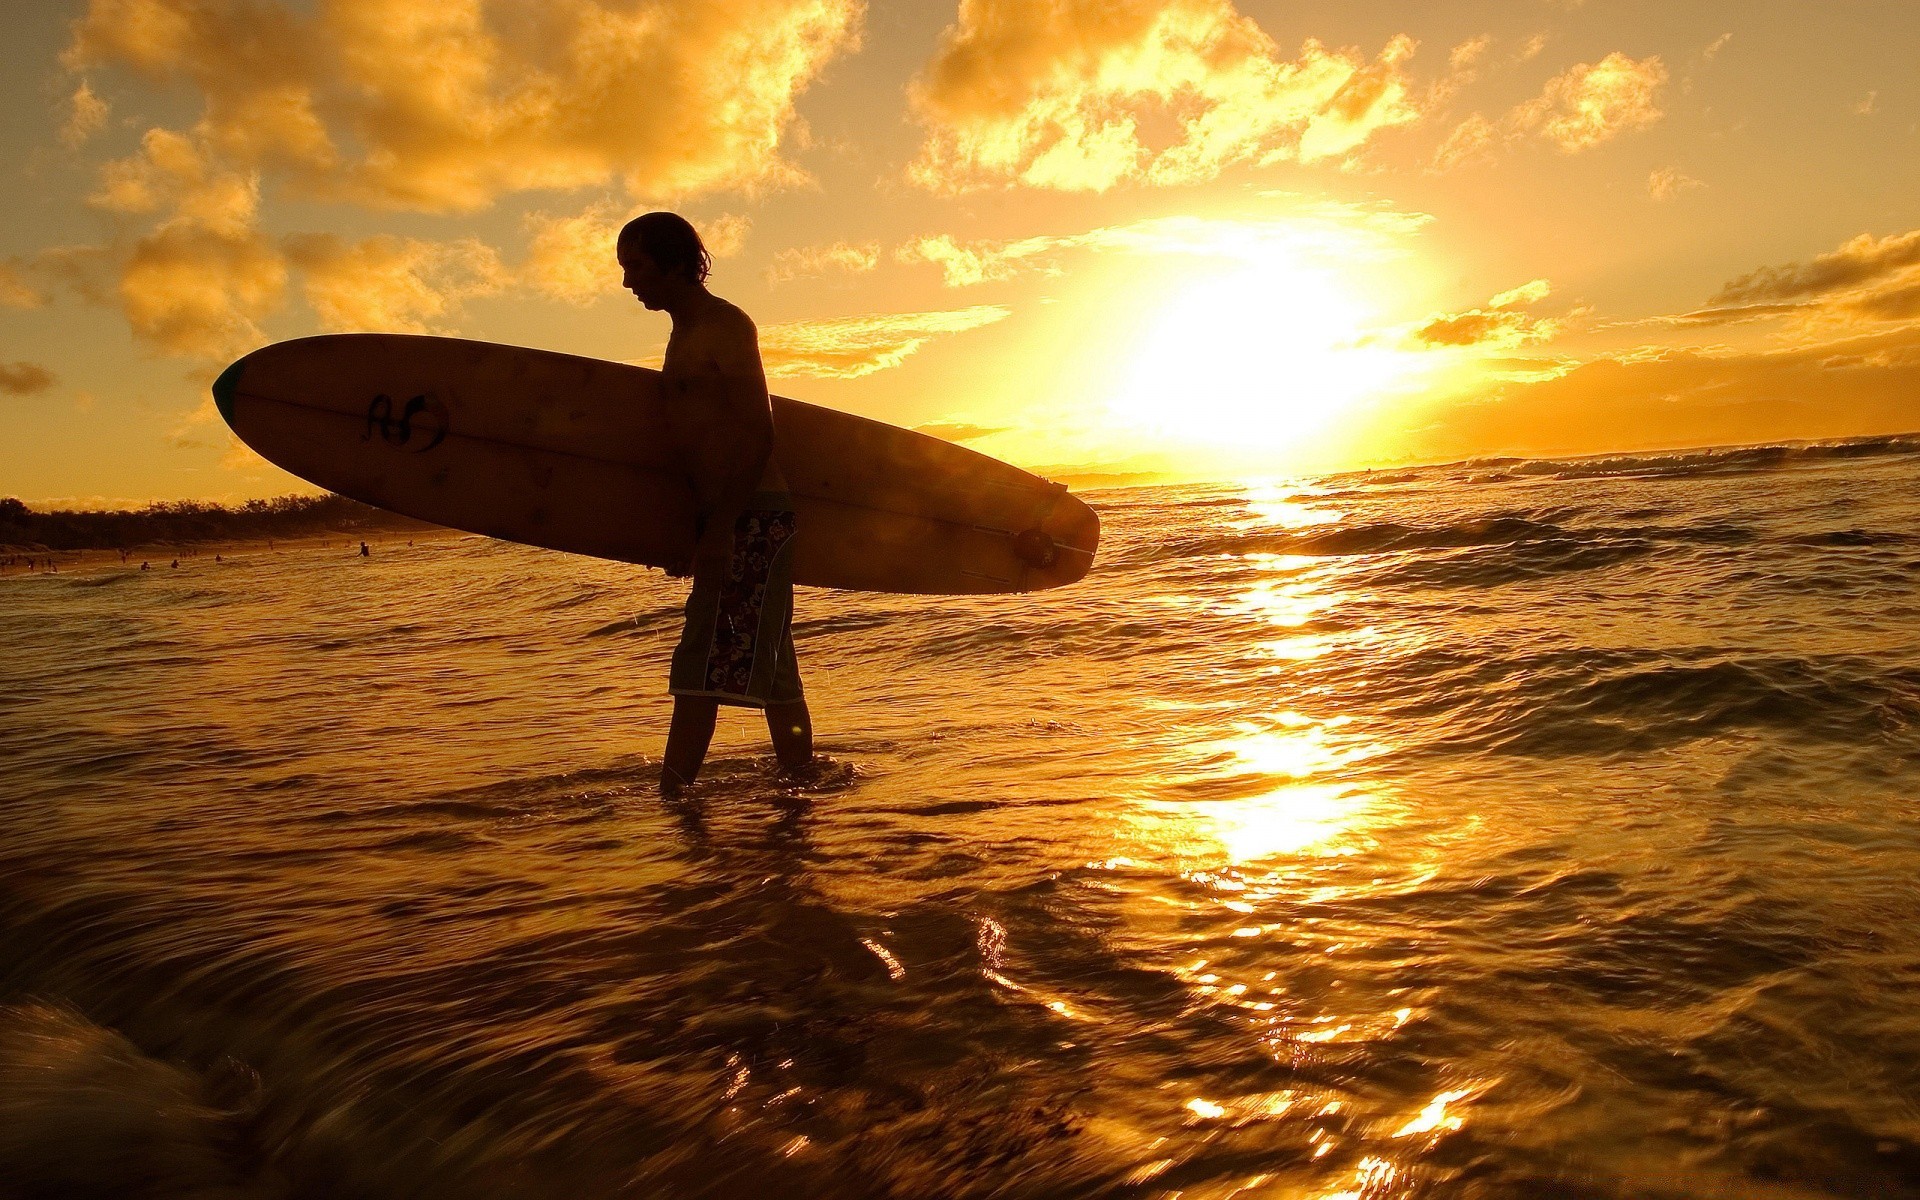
<point>660,254</point>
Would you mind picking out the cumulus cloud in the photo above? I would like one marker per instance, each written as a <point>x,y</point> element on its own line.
<point>1584,106</point>
<point>189,290</point>
<point>1498,325</point>
<point>1862,262</point>
<point>1668,182</point>
<point>1056,95</point>
<point>1593,103</point>
<point>446,104</point>
<point>571,258</point>
<point>808,261</point>
<point>24,378</point>
<point>850,347</point>
<point>391,284</point>
<point>86,113</point>
<point>176,171</point>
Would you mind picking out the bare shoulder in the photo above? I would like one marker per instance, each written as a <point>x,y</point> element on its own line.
<point>736,340</point>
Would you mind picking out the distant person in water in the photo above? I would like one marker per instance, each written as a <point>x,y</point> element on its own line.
<point>364,552</point>
<point>737,644</point>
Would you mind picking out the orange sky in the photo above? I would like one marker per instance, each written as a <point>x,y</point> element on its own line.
<point>1116,237</point>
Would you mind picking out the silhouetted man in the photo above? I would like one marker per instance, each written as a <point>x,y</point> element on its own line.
<point>737,644</point>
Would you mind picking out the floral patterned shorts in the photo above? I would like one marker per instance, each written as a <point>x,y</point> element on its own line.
<point>737,645</point>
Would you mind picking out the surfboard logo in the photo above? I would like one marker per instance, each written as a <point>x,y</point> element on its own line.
<point>400,430</point>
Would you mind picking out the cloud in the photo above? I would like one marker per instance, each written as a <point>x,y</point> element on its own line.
<point>1056,95</point>
<point>86,113</point>
<point>24,378</point>
<point>1593,103</point>
<point>1351,231</point>
<point>391,284</point>
<point>193,291</point>
<point>1467,54</point>
<point>1668,182</point>
<point>952,431</point>
<point>571,258</point>
<point>808,261</point>
<point>1498,325</point>
<point>1659,398</point>
<point>177,171</point>
<point>15,291</point>
<point>1470,140</point>
<point>1531,292</point>
<point>849,347</point>
<point>725,235</point>
<point>1864,262</point>
<point>444,105</point>
<point>1713,48</point>
<point>1484,327</point>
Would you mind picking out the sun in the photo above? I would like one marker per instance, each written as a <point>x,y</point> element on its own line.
<point>1259,357</point>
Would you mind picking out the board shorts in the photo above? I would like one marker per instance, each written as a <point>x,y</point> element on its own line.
<point>737,644</point>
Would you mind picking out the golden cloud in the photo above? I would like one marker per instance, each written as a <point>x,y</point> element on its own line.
<point>1470,140</point>
<point>1667,398</point>
<point>850,347</point>
<point>195,291</point>
<point>1499,325</point>
<point>391,284</point>
<point>446,104</point>
<point>86,113</point>
<point>1668,182</point>
<point>806,261</point>
<point>177,171</point>
<point>24,378</point>
<point>1593,102</point>
<point>571,258</point>
<point>1484,327</point>
<point>1863,262</point>
<point>1054,95</point>
<point>1352,231</point>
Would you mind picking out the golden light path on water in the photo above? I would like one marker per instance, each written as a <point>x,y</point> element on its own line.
<point>1281,803</point>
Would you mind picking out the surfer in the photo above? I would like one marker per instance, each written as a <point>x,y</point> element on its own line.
<point>737,643</point>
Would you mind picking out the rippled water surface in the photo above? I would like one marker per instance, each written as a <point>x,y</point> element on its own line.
<point>1503,830</point>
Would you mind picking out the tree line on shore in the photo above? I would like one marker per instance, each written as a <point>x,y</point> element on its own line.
<point>186,522</point>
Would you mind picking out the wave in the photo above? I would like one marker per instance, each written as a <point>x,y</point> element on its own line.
<point>1718,460</point>
<point>1555,540</point>
<point>1572,704</point>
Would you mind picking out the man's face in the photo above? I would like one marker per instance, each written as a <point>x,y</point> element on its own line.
<point>642,276</point>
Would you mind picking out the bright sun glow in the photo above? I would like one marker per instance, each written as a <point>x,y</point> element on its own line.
<point>1261,358</point>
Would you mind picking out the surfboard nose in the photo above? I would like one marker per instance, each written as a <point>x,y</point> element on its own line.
<point>225,387</point>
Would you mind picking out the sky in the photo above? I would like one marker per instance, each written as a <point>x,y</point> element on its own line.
<point>1109,240</point>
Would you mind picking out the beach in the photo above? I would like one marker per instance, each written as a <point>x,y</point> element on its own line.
<point>1510,828</point>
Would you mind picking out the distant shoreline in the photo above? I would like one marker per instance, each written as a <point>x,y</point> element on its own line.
<point>188,527</point>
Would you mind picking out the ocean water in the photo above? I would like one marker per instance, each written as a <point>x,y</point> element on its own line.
<point>1508,829</point>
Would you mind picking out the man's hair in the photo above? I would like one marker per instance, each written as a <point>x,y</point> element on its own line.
<point>669,240</point>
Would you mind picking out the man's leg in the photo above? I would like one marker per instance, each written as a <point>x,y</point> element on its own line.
<point>687,741</point>
<point>791,728</point>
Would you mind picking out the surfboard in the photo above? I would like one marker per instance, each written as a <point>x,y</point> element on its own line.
<point>570,453</point>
